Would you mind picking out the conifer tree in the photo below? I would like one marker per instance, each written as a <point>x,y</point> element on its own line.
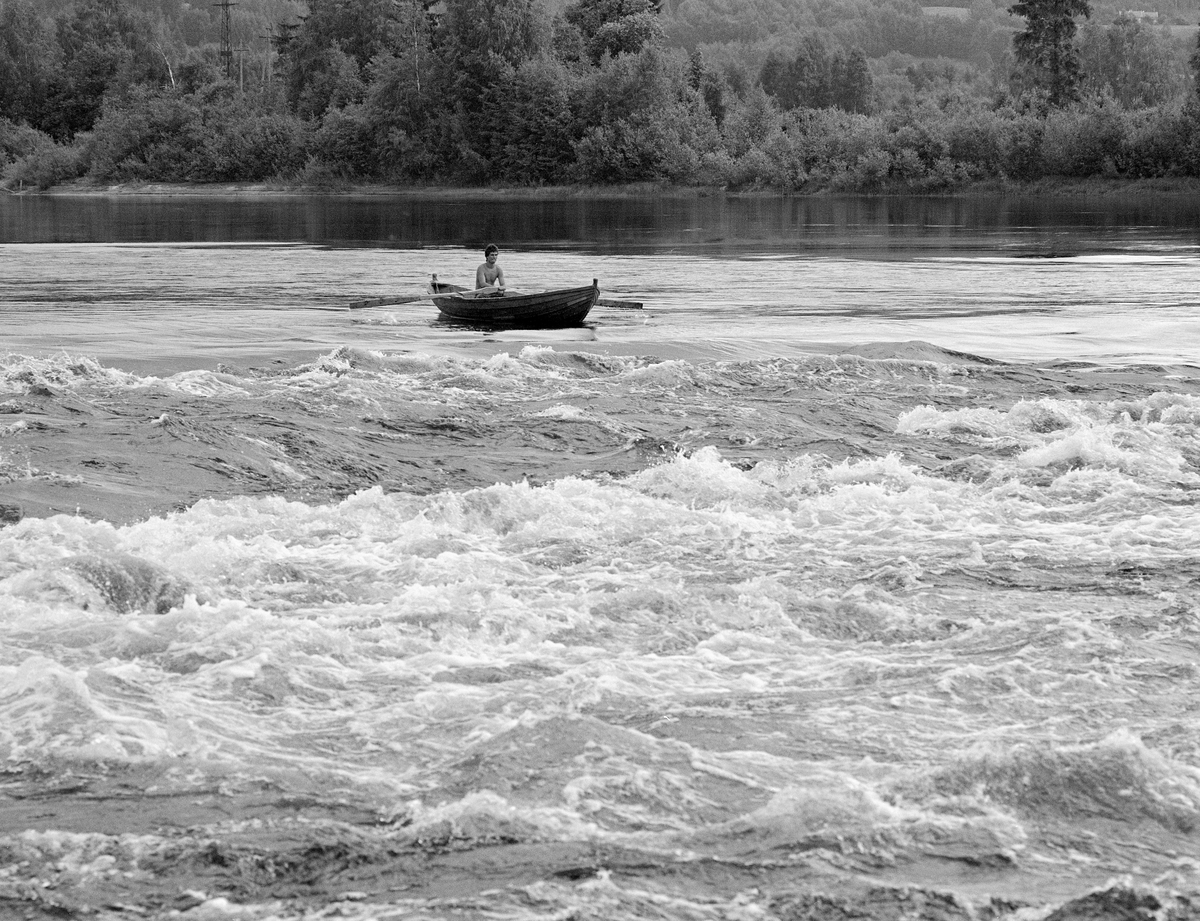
<point>1194,60</point>
<point>1046,50</point>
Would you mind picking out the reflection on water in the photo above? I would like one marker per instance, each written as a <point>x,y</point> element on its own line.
<point>714,223</point>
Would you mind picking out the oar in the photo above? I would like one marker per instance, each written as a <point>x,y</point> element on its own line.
<point>389,300</point>
<point>601,302</point>
<point>623,305</point>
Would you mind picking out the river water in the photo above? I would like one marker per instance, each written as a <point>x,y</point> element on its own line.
<point>854,575</point>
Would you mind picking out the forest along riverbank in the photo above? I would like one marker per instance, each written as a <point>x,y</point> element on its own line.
<point>1056,187</point>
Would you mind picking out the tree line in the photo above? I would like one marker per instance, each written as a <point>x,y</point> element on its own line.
<point>592,92</point>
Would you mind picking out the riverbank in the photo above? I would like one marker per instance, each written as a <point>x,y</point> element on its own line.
<point>367,189</point>
<point>1056,187</point>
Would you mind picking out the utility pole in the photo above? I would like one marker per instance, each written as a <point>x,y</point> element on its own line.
<point>242,49</point>
<point>226,36</point>
<point>267,68</point>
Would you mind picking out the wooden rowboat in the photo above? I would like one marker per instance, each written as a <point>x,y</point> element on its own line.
<point>543,310</point>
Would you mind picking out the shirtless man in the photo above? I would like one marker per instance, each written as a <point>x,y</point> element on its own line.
<point>489,275</point>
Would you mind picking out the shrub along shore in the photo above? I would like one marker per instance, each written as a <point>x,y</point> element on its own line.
<point>497,94</point>
<point>162,137</point>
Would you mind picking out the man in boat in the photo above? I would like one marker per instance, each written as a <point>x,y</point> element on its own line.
<point>489,276</point>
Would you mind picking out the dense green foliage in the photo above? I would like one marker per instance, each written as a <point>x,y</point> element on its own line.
<point>816,79</point>
<point>832,94</point>
<point>1046,48</point>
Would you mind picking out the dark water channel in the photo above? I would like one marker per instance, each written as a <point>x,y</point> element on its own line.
<point>713,224</point>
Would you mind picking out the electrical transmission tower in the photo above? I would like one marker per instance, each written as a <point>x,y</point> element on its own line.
<point>226,37</point>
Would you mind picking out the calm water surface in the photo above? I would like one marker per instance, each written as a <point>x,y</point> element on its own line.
<point>132,278</point>
<point>855,575</point>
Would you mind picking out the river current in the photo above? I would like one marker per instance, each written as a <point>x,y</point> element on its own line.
<point>856,574</point>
